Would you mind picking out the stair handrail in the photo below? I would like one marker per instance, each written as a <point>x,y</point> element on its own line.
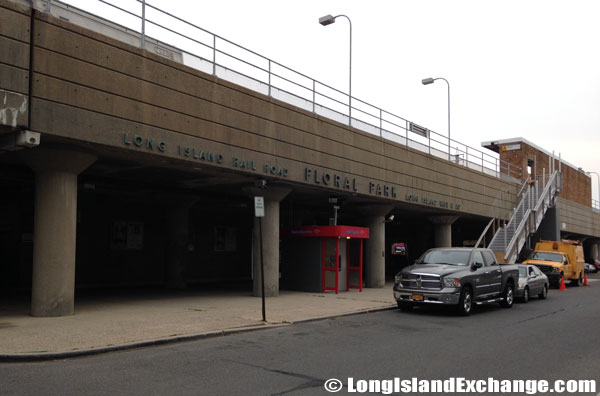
<point>512,221</point>
<point>547,194</point>
<point>520,207</point>
<point>520,229</point>
<point>517,241</point>
<point>525,184</point>
<point>484,232</point>
<point>515,245</point>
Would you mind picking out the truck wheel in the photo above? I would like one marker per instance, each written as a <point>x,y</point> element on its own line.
<point>544,293</point>
<point>526,295</point>
<point>465,303</point>
<point>508,297</point>
<point>405,307</point>
<point>578,281</point>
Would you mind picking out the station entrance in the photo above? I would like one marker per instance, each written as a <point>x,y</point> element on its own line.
<point>322,258</point>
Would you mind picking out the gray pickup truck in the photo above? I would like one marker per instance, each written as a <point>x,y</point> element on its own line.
<point>456,276</point>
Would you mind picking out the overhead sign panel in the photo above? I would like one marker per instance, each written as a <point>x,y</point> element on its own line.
<point>511,147</point>
<point>418,129</point>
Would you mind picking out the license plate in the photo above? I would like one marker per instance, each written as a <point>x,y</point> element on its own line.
<point>417,297</point>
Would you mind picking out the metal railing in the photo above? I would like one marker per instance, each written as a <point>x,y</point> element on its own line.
<point>527,217</point>
<point>208,52</point>
<point>482,236</point>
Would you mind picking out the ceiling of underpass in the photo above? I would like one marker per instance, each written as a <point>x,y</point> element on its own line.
<point>133,173</point>
<point>127,176</point>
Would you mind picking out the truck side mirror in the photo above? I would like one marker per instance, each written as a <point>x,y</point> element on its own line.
<point>476,265</point>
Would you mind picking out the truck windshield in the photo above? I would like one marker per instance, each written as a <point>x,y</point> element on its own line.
<point>451,257</point>
<point>547,256</point>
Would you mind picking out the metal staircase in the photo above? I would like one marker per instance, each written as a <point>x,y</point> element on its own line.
<point>526,218</point>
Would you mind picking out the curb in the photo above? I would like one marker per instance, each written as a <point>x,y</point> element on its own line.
<point>48,356</point>
<point>368,310</point>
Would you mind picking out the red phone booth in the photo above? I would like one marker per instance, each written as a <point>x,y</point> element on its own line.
<point>322,258</point>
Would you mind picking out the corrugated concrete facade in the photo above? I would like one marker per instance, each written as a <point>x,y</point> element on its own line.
<point>90,88</point>
<point>578,219</point>
<point>14,66</point>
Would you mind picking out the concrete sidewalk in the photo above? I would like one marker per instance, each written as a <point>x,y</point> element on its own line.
<point>103,323</point>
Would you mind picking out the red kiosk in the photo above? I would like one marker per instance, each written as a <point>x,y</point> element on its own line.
<point>330,249</point>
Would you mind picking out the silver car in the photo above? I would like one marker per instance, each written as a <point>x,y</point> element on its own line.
<point>532,282</point>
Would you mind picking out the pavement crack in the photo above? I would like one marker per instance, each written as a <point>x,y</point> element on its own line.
<point>311,382</point>
<point>540,316</point>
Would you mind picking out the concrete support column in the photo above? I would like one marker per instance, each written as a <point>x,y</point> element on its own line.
<point>443,230</point>
<point>54,233</point>
<point>595,250</point>
<point>375,246</point>
<point>375,252</point>
<point>270,242</point>
<point>178,253</point>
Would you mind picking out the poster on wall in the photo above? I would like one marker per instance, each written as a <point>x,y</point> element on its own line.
<point>127,235</point>
<point>225,239</point>
<point>399,249</point>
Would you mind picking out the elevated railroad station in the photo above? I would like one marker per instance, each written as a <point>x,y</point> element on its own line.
<point>127,162</point>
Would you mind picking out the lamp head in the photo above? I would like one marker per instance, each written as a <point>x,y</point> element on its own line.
<point>326,20</point>
<point>261,183</point>
<point>427,81</point>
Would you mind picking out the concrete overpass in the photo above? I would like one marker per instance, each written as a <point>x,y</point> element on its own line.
<point>141,168</point>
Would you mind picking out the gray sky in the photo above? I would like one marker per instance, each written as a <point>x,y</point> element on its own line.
<point>522,68</point>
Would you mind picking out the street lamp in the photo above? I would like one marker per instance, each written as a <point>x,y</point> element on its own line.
<point>328,20</point>
<point>427,81</point>
<point>598,180</point>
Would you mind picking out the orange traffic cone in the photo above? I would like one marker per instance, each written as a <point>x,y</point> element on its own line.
<point>585,281</point>
<point>562,283</point>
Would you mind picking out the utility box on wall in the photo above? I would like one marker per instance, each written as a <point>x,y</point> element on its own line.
<point>322,258</point>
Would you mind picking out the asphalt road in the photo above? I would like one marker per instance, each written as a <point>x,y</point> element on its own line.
<point>553,339</point>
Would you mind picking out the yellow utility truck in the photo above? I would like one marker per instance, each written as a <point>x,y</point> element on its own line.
<point>558,259</point>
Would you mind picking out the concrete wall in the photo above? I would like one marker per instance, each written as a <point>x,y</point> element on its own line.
<point>104,256</point>
<point>90,88</point>
<point>107,259</point>
<point>14,66</point>
<point>301,267</point>
<point>578,219</point>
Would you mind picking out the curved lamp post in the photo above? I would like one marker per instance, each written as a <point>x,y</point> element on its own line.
<point>427,81</point>
<point>328,20</point>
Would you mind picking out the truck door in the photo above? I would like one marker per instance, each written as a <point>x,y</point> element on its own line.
<point>481,275</point>
<point>567,268</point>
<point>493,273</point>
